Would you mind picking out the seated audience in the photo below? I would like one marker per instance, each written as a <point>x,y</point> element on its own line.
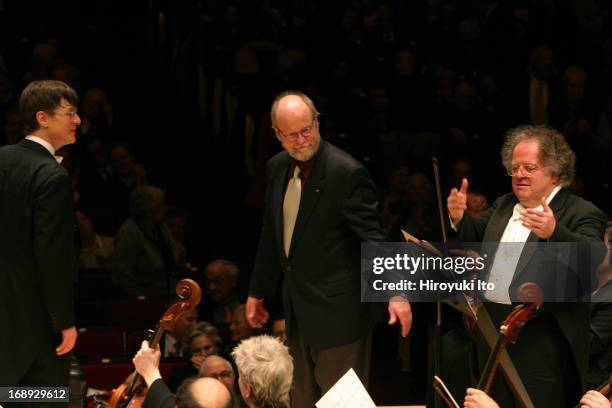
<point>195,392</point>
<point>201,341</point>
<point>240,329</point>
<point>279,329</point>
<point>144,263</point>
<point>172,343</point>
<point>96,250</point>
<point>219,368</point>
<point>221,277</point>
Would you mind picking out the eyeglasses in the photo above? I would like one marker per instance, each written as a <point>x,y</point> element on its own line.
<point>527,169</point>
<point>70,114</point>
<point>305,132</point>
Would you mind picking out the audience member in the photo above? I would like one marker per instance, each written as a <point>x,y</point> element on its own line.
<point>201,341</point>
<point>219,368</point>
<point>195,392</point>
<point>173,341</point>
<point>220,277</point>
<point>240,329</point>
<point>144,263</point>
<point>96,250</point>
<point>279,329</point>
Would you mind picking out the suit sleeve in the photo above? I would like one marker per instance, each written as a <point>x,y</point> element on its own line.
<point>267,270</point>
<point>159,396</point>
<point>471,229</point>
<point>601,328</point>
<point>587,225</point>
<point>360,207</point>
<point>54,250</point>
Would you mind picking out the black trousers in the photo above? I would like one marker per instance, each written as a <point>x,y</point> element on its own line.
<point>47,370</point>
<point>317,370</point>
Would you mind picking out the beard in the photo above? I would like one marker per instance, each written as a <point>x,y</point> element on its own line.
<point>306,151</point>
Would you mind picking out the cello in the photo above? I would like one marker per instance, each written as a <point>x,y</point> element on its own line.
<point>132,391</point>
<point>531,295</point>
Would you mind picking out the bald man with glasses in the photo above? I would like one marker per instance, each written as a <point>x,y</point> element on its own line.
<point>321,204</point>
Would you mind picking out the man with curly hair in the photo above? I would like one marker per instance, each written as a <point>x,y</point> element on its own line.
<point>551,355</point>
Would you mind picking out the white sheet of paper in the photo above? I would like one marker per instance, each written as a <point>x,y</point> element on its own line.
<point>348,392</point>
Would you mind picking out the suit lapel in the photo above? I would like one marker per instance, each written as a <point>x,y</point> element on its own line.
<point>557,205</point>
<point>499,220</point>
<point>310,193</point>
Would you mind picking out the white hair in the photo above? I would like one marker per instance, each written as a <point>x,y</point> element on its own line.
<point>264,364</point>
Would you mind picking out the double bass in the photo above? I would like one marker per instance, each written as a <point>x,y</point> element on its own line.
<point>132,391</point>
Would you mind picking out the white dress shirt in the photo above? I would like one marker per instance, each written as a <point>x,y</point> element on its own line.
<point>507,256</point>
<point>46,145</point>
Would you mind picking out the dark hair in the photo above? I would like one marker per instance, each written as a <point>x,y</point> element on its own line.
<point>43,96</point>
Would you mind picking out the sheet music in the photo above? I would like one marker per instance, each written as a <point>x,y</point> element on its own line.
<point>348,392</point>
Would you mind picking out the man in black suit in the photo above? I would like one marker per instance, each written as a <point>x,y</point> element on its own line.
<point>38,260</point>
<point>551,354</point>
<point>320,206</point>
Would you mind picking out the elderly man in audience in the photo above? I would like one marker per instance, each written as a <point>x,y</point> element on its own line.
<point>222,370</point>
<point>220,277</point>
<point>265,371</point>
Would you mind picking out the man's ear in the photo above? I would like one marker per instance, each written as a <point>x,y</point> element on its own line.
<point>276,134</point>
<point>43,119</point>
<point>245,390</point>
<point>248,391</point>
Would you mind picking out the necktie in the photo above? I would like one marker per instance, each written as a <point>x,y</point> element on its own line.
<point>176,350</point>
<point>290,207</point>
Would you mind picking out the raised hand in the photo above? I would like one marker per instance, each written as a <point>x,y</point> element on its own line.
<point>146,362</point>
<point>457,201</point>
<point>541,223</point>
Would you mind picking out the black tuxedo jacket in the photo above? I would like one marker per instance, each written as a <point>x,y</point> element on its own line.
<point>577,220</point>
<point>600,365</point>
<point>38,260</point>
<point>321,285</point>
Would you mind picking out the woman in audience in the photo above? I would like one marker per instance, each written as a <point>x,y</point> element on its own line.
<point>202,341</point>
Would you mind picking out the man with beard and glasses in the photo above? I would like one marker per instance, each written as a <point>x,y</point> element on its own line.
<point>321,204</point>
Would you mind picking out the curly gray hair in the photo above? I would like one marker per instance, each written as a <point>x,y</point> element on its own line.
<point>556,155</point>
<point>264,364</point>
